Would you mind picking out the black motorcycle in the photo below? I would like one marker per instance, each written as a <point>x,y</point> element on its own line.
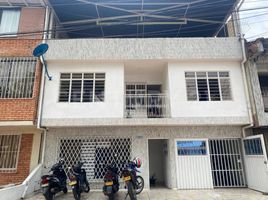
<point>78,181</point>
<point>111,181</point>
<point>134,183</point>
<point>55,182</point>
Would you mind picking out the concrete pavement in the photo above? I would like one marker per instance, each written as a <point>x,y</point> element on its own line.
<point>166,194</point>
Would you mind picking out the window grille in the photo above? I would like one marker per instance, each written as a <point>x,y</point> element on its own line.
<point>96,151</point>
<point>9,152</point>
<point>208,86</point>
<point>82,87</point>
<point>17,77</point>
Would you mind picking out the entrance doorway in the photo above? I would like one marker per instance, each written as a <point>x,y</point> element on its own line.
<point>157,162</point>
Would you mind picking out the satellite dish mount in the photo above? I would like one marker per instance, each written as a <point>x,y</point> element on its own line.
<point>39,52</point>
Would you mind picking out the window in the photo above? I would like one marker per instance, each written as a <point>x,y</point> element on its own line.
<point>191,147</point>
<point>208,86</point>
<point>17,77</point>
<point>253,147</point>
<point>82,87</point>
<point>9,152</point>
<point>9,21</point>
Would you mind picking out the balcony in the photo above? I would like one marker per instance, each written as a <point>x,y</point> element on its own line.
<point>146,106</point>
<point>264,91</point>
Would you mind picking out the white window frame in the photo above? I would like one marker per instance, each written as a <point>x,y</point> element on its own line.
<point>10,34</point>
<point>12,170</point>
<point>82,86</point>
<point>207,82</point>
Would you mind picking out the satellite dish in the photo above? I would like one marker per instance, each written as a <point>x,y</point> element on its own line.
<point>39,52</point>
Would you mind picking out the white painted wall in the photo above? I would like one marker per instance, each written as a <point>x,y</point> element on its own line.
<point>180,107</point>
<point>112,107</point>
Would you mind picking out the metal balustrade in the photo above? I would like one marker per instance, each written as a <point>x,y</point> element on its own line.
<point>146,106</point>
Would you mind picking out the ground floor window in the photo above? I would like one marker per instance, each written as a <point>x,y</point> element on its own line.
<point>97,152</point>
<point>9,152</point>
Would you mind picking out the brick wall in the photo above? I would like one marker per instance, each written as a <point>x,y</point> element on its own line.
<point>32,20</point>
<point>23,167</point>
<point>20,109</point>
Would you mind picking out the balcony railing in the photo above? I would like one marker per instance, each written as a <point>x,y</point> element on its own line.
<point>146,106</point>
<point>264,91</point>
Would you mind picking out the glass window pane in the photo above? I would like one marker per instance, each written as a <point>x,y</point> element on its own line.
<point>191,147</point>
<point>99,90</point>
<point>191,89</point>
<point>202,89</point>
<point>76,91</point>
<point>64,91</point>
<point>88,91</point>
<point>214,90</point>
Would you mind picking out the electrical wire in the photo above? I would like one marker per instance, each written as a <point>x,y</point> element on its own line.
<point>85,27</point>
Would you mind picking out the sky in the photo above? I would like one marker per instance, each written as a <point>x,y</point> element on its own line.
<point>254,22</point>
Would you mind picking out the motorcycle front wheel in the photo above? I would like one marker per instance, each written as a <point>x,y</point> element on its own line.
<point>139,184</point>
<point>48,195</point>
<point>87,188</point>
<point>76,193</point>
<point>131,191</point>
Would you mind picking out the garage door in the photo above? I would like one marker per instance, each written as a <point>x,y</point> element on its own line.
<point>193,164</point>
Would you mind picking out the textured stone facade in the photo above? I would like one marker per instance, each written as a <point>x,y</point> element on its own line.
<point>260,117</point>
<point>140,136</point>
<point>140,49</point>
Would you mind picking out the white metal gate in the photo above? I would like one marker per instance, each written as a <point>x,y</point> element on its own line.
<point>226,163</point>
<point>193,164</point>
<point>96,151</point>
<point>256,163</point>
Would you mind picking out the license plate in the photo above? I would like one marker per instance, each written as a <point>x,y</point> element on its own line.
<point>108,183</point>
<point>44,185</point>
<point>72,183</point>
<point>126,178</point>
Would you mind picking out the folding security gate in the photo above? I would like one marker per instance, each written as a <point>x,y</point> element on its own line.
<point>96,152</point>
<point>226,163</point>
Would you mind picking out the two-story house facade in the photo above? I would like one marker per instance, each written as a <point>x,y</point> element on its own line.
<point>20,75</point>
<point>178,104</point>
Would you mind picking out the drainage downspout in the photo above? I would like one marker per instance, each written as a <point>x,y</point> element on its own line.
<point>251,124</point>
<point>40,103</point>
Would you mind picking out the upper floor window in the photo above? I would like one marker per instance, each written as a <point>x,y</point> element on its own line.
<point>17,77</point>
<point>9,21</point>
<point>208,86</point>
<point>82,87</point>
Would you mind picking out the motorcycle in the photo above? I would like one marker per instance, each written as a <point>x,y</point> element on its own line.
<point>133,182</point>
<point>111,181</point>
<point>55,182</point>
<point>78,181</point>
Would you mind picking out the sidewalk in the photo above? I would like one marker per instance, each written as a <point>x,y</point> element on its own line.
<point>166,194</point>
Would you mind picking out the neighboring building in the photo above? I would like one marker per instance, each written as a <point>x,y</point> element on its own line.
<point>257,73</point>
<point>20,75</point>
